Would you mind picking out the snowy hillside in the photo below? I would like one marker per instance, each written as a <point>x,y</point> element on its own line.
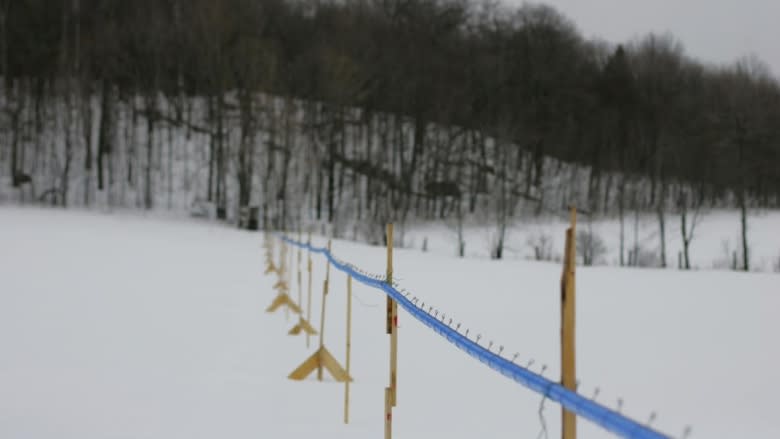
<point>142,327</point>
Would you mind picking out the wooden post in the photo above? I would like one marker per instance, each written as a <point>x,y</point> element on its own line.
<point>322,315</point>
<point>568,313</point>
<point>392,329</point>
<point>308,300</point>
<point>283,258</point>
<point>280,268</point>
<point>389,276</point>
<point>300,278</point>
<point>283,271</point>
<point>288,273</point>
<point>388,414</point>
<point>349,347</point>
<point>303,324</point>
<point>392,321</point>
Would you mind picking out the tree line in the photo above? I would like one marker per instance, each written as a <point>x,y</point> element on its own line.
<point>374,108</point>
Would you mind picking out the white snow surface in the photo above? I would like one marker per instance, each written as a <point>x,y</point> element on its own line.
<point>125,326</point>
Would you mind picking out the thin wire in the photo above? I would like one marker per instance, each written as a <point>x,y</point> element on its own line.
<point>542,420</point>
<point>364,304</point>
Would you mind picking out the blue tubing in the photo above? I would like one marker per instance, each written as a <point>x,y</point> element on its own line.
<point>604,417</point>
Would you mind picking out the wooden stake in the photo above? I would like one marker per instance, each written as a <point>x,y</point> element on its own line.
<point>282,259</point>
<point>303,325</point>
<point>349,347</point>
<point>322,315</point>
<point>389,276</point>
<point>388,414</point>
<point>300,278</point>
<point>568,314</point>
<point>394,357</point>
<point>283,276</point>
<point>308,300</point>
<point>392,321</point>
<point>290,270</point>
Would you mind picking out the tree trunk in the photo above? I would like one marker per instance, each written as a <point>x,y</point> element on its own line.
<point>461,240</point>
<point>148,201</point>
<point>40,105</point>
<point>636,227</point>
<point>132,132</point>
<point>331,161</point>
<point>318,191</point>
<point>105,132</point>
<point>65,177</point>
<point>245,152</point>
<point>171,145</point>
<point>15,135</point>
<point>621,213</point>
<point>86,126</point>
<point>685,236</point>
<point>221,157</point>
<point>4,44</point>
<point>743,221</point>
<point>662,233</point>
<point>212,150</point>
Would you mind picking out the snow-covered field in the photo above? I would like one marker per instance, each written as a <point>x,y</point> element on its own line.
<point>122,326</point>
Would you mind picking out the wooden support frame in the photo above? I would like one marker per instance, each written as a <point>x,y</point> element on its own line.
<point>282,299</point>
<point>322,359</point>
<point>319,361</point>
<point>568,320</point>
<point>281,286</point>
<point>303,326</point>
<point>266,241</point>
<point>270,266</point>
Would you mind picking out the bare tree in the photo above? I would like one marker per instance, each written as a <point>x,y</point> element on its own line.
<point>687,225</point>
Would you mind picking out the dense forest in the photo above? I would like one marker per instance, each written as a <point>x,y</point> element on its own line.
<point>370,109</point>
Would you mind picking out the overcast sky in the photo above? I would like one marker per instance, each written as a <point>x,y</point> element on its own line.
<point>714,31</point>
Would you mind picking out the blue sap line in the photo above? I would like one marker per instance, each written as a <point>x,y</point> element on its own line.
<point>606,418</point>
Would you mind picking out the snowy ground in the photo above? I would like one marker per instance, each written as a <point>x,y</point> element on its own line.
<point>120,326</point>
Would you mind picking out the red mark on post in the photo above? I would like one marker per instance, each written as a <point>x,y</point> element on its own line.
<point>395,321</point>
